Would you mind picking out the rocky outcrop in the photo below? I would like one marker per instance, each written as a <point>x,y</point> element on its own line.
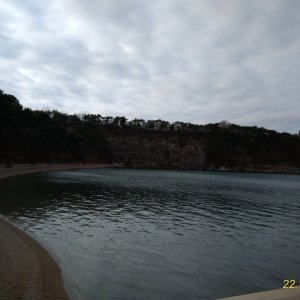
<point>157,151</point>
<point>142,148</point>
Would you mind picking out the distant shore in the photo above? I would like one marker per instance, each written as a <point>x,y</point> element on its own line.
<point>27,271</point>
<point>19,169</point>
<point>263,169</point>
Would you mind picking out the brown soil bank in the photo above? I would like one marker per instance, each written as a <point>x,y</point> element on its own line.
<point>27,271</point>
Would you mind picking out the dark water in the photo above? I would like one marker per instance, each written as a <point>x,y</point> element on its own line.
<point>141,234</point>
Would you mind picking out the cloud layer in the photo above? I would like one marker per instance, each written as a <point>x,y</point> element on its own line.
<point>195,61</point>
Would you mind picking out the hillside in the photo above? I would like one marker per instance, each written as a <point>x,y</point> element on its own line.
<point>33,136</point>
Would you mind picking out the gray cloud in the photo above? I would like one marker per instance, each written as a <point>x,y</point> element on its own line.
<point>196,61</point>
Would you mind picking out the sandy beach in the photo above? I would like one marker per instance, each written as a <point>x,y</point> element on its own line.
<point>27,271</point>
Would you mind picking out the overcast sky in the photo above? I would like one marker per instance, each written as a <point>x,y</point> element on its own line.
<point>193,60</point>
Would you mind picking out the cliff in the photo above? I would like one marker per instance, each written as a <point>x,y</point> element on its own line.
<point>157,150</point>
<point>215,150</point>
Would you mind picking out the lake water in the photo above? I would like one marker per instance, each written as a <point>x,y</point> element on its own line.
<point>153,234</point>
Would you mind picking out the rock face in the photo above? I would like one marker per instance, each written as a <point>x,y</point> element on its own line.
<point>157,150</point>
<point>186,151</point>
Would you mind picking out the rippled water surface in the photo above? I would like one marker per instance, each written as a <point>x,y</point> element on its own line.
<point>142,234</point>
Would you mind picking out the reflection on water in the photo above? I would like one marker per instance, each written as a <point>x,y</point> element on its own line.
<point>141,234</point>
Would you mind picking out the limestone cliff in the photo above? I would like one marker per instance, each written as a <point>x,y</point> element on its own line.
<point>142,148</point>
<point>157,150</point>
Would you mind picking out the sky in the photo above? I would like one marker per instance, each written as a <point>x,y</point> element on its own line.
<point>192,61</point>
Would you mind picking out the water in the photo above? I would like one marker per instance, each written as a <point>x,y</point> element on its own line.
<point>142,234</point>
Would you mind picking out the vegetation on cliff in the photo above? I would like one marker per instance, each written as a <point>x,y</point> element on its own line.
<point>31,136</point>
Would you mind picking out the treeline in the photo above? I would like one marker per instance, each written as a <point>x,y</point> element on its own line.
<point>165,126</point>
<point>31,136</point>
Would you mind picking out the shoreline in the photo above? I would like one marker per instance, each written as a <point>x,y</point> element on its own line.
<point>20,169</point>
<point>27,270</point>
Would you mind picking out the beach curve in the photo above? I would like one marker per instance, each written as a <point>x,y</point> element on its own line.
<point>27,271</point>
